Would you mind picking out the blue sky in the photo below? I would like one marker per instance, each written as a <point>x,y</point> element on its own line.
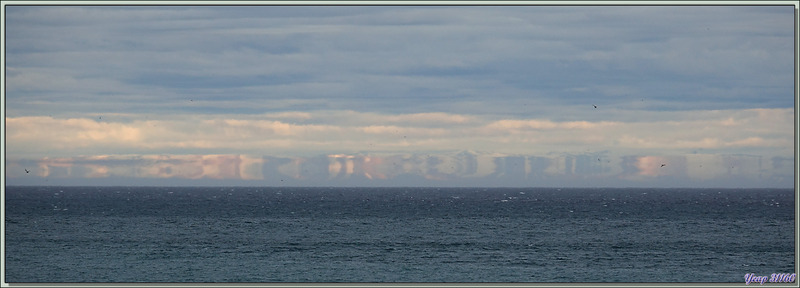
<point>155,94</point>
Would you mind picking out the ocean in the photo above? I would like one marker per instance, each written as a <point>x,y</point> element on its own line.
<point>520,235</point>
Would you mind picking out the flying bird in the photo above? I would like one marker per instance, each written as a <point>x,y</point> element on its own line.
<point>27,171</point>
<point>595,106</point>
<point>662,165</point>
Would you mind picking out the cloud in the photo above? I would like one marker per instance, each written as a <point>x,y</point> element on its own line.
<point>459,60</point>
<point>73,132</point>
<point>765,130</point>
<point>297,81</point>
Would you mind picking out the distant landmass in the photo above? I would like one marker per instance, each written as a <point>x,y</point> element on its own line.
<point>460,168</point>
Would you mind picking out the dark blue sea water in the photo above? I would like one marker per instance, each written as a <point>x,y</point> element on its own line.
<point>195,234</point>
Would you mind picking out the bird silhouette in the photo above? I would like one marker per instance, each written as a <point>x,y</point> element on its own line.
<point>27,171</point>
<point>595,106</point>
<point>662,165</point>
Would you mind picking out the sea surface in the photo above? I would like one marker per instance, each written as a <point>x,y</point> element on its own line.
<point>239,234</point>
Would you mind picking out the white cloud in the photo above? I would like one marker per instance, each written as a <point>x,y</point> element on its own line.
<point>765,130</point>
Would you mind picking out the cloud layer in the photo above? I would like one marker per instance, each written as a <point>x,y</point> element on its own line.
<point>368,148</point>
<point>768,131</point>
<point>476,60</point>
<point>633,85</point>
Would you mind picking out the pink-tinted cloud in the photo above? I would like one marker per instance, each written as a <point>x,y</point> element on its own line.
<point>766,132</point>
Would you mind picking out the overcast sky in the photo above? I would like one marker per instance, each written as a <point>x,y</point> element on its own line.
<point>624,84</point>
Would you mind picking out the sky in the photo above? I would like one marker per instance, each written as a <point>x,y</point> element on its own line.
<point>549,96</point>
